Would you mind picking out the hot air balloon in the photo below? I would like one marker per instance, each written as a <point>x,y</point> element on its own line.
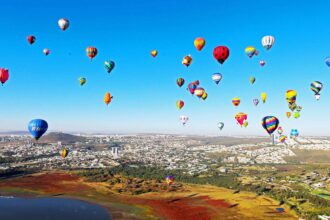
<point>169,180</point>
<point>221,125</point>
<point>263,97</point>
<point>46,51</point>
<point>267,42</point>
<point>187,60</point>
<point>241,118</point>
<point>327,61</point>
<point>199,43</point>
<point>180,82</point>
<point>31,39</point>
<point>109,65</point>
<point>64,153</point>
<point>269,123</point>
<point>204,96</point>
<point>196,83</point>
<point>252,79</point>
<point>282,138</point>
<point>82,81</point>
<point>291,96</point>
<point>37,127</point>
<point>245,124</point>
<point>251,51</point>
<point>294,133</point>
<point>4,75</point>
<point>296,115</point>
<point>91,52</point>
<point>216,77</point>
<point>316,87</point>
<point>221,53</point>
<point>262,63</point>
<point>288,114</point>
<point>179,104</point>
<point>107,98</point>
<point>191,87</point>
<point>184,119</point>
<point>298,108</point>
<point>199,92</point>
<point>236,101</point>
<point>63,23</point>
<point>154,53</point>
<point>255,102</point>
<point>279,130</point>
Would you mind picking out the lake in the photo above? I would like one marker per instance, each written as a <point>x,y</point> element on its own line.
<point>12,208</point>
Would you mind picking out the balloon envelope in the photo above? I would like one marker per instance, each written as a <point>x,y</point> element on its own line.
<point>316,87</point>
<point>82,81</point>
<point>221,125</point>
<point>187,60</point>
<point>63,23</point>
<point>236,101</point>
<point>250,51</point>
<point>267,41</point>
<point>37,127</point>
<point>199,43</point>
<point>154,53</point>
<point>221,54</point>
<point>241,118</point>
<point>327,61</point>
<point>4,75</point>
<point>216,77</point>
<point>179,104</point>
<point>180,82</point>
<point>270,123</point>
<point>252,79</point>
<point>184,119</point>
<point>109,65</point>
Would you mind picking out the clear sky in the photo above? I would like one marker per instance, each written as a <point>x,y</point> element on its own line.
<point>144,88</point>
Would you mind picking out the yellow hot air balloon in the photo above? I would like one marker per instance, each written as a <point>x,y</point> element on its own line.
<point>204,96</point>
<point>64,153</point>
<point>288,114</point>
<point>199,43</point>
<point>291,96</point>
<point>107,98</point>
<point>263,97</point>
<point>154,53</point>
<point>236,101</point>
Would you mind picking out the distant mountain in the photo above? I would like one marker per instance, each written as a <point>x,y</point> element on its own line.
<point>55,137</point>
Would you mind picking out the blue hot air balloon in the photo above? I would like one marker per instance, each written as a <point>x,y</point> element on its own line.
<point>327,61</point>
<point>37,128</point>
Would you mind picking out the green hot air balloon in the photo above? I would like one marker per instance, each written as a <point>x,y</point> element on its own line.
<point>109,65</point>
<point>252,80</point>
<point>82,81</point>
<point>221,125</point>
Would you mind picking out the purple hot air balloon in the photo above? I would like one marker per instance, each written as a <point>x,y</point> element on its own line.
<point>255,102</point>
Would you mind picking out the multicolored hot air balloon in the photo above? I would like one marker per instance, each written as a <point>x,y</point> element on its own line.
<point>279,130</point>
<point>199,43</point>
<point>199,92</point>
<point>291,96</point>
<point>82,81</point>
<point>179,104</point>
<point>221,125</point>
<point>4,75</point>
<point>251,51</point>
<point>221,54</point>
<point>267,42</point>
<point>294,133</point>
<point>327,61</point>
<point>37,127</point>
<point>216,77</point>
<point>316,87</point>
<point>46,51</point>
<point>252,79</point>
<point>169,180</point>
<point>255,102</point>
<point>154,53</point>
<point>204,96</point>
<point>63,23</point>
<point>191,88</point>
<point>262,63</point>
<point>236,101</point>
<point>288,114</point>
<point>245,124</point>
<point>263,96</point>
<point>184,119</point>
<point>298,108</point>
<point>269,123</point>
<point>107,98</point>
<point>64,153</point>
<point>109,65</point>
<point>180,81</point>
<point>187,60</point>
<point>91,52</point>
<point>282,138</point>
<point>241,118</point>
<point>31,39</point>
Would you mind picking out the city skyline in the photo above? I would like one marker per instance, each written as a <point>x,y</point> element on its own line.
<point>144,88</point>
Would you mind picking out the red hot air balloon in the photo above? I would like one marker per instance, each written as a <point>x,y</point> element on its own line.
<point>221,53</point>
<point>31,39</point>
<point>91,52</point>
<point>4,75</point>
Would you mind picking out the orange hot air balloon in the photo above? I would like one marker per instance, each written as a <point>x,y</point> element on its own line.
<point>107,98</point>
<point>64,153</point>
<point>236,101</point>
<point>91,52</point>
<point>199,43</point>
<point>288,114</point>
<point>154,53</point>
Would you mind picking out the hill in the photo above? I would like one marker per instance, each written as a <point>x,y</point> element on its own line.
<point>55,137</point>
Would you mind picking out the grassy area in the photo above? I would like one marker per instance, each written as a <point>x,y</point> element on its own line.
<point>309,156</point>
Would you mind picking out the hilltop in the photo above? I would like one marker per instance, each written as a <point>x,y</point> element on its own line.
<point>55,137</point>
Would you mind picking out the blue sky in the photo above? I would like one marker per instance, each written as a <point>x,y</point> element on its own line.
<point>144,88</point>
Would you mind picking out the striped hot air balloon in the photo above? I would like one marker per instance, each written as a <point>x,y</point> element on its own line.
<point>316,87</point>
<point>236,101</point>
<point>251,51</point>
<point>267,42</point>
<point>64,153</point>
<point>282,138</point>
<point>91,52</point>
<point>179,104</point>
<point>270,123</point>
<point>180,81</point>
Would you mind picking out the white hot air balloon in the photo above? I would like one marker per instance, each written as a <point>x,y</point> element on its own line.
<point>63,23</point>
<point>216,77</point>
<point>184,119</point>
<point>46,51</point>
<point>221,125</point>
<point>267,41</point>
